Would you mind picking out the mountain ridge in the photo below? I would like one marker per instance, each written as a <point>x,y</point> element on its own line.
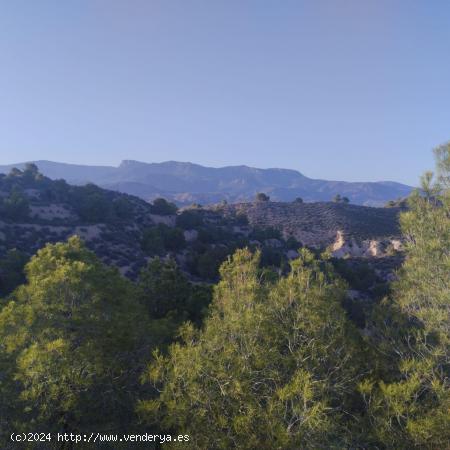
<point>126,232</point>
<point>187,182</point>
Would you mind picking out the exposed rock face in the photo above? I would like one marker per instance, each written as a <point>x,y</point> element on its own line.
<point>343,247</point>
<point>338,245</point>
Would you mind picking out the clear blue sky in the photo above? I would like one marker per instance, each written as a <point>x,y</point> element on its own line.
<point>348,89</point>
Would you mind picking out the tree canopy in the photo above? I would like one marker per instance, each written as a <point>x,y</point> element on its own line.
<point>410,405</point>
<point>274,363</point>
<point>261,197</point>
<point>71,343</point>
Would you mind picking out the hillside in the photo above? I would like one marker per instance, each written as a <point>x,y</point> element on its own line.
<point>318,224</point>
<point>123,230</point>
<point>126,231</point>
<point>187,183</point>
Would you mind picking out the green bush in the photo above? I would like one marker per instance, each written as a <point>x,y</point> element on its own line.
<point>12,271</point>
<point>162,207</point>
<point>16,206</point>
<point>261,197</point>
<point>157,239</point>
<point>92,204</point>
<point>261,234</point>
<point>123,208</point>
<point>189,219</point>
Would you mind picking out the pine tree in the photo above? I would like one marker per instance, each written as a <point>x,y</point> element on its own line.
<point>410,406</point>
<point>72,341</point>
<point>274,366</point>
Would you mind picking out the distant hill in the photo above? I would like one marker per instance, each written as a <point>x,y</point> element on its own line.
<point>126,231</point>
<point>123,230</point>
<point>187,183</point>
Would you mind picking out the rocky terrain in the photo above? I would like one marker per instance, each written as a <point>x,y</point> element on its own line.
<point>186,183</point>
<point>345,229</point>
<point>123,230</point>
<point>365,242</point>
<point>126,231</point>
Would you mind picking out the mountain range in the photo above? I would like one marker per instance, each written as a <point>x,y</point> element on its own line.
<point>126,231</point>
<point>187,183</point>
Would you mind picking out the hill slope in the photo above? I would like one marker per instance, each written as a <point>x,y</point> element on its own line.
<point>317,224</point>
<point>187,183</point>
<point>125,231</point>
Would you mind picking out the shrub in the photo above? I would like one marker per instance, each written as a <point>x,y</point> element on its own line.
<point>16,206</point>
<point>261,197</point>
<point>189,219</point>
<point>162,237</point>
<point>241,219</point>
<point>162,207</point>
<point>122,207</point>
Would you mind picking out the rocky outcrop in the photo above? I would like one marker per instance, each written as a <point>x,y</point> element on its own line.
<point>349,247</point>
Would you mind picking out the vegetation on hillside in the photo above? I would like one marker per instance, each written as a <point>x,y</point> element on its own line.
<point>278,359</point>
<point>275,362</point>
<point>409,406</point>
<point>122,230</point>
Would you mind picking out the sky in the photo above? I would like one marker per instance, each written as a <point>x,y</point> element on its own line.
<point>337,89</point>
